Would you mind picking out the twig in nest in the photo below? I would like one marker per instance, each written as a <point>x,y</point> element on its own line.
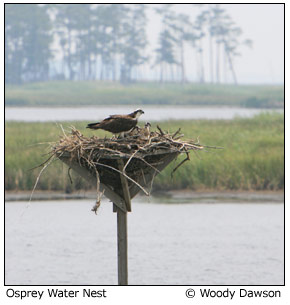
<point>150,165</point>
<point>178,137</point>
<point>43,163</point>
<point>99,194</point>
<point>63,130</point>
<point>186,159</point>
<point>113,168</point>
<point>213,147</point>
<point>143,176</point>
<point>68,173</point>
<point>124,168</point>
<point>139,158</point>
<point>176,133</point>
<point>98,202</point>
<point>160,130</point>
<point>36,182</point>
<point>151,184</point>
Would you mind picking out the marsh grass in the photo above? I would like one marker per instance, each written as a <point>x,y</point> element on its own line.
<point>81,93</point>
<point>252,158</point>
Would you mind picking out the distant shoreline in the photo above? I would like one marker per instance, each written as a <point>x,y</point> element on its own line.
<point>95,93</point>
<point>183,196</point>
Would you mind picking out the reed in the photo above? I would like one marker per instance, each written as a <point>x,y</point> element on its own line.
<point>252,158</point>
<point>66,93</point>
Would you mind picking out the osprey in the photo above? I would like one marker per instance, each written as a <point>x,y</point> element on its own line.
<point>118,123</point>
<point>147,130</point>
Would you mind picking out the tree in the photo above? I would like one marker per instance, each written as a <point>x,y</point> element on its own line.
<point>27,43</point>
<point>117,24</point>
<point>165,52</point>
<point>134,42</point>
<point>218,27</point>
<point>84,38</point>
<point>217,24</point>
<point>228,35</point>
<point>108,41</point>
<point>67,16</point>
<point>183,32</point>
<point>199,27</point>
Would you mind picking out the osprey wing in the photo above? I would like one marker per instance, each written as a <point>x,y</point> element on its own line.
<point>118,124</point>
<point>115,123</point>
<point>116,116</point>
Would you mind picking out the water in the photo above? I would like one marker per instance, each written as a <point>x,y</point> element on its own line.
<point>63,242</point>
<point>152,113</point>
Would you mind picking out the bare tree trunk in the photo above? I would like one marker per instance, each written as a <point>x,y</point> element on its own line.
<point>225,65</point>
<point>210,45</point>
<point>161,72</point>
<point>130,74</point>
<point>69,56</point>
<point>166,72</point>
<point>218,63</point>
<point>102,70</point>
<point>172,73</point>
<point>201,80</point>
<point>232,68</point>
<point>95,66</point>
<point>89,67</point>
<point>211,58</point>
<point>114,67</point>
<point>183,77</point>
<point>62,69</point>
<point>115,59</point>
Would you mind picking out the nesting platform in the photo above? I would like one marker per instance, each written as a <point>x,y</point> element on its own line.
<point>138,157</point>
<point>120,168</point>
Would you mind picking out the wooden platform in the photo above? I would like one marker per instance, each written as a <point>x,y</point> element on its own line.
<point>110,180</point>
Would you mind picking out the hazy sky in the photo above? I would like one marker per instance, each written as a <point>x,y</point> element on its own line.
<point>262,23</point>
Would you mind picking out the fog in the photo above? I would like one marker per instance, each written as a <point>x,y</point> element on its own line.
<point>228,43</point>
<point>263,24</point>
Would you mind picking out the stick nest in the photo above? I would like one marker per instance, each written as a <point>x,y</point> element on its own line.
<point>137,144</point>
<point>142,154</point>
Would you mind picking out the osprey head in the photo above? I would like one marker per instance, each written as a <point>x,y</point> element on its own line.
<point>136,114</point>
<point>147,125</point>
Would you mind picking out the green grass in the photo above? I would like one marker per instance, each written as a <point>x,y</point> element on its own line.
<point>252,158</point>
<point>66,93</point>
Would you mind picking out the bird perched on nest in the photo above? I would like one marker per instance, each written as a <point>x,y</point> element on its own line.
<point>145,133</point>
<point>118,124</point>
<point>147,130</point>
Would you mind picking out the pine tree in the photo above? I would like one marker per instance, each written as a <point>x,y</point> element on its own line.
<point>27,43</point>
<point>135,41</point>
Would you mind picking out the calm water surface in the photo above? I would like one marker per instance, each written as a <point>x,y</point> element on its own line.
<point>63,242</point>
<point>152,113</point>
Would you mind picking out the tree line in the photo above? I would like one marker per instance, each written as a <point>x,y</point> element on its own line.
<point>109,42</point>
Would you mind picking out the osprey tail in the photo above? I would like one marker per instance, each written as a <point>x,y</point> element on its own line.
<point>93,125</point>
